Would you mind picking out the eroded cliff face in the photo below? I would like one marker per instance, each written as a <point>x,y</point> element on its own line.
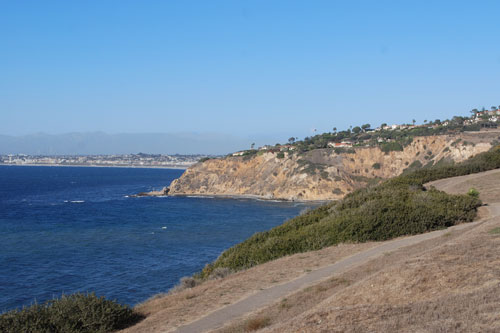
<point>321,174</point>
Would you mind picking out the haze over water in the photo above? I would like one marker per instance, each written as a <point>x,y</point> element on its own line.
<point>68,229</point>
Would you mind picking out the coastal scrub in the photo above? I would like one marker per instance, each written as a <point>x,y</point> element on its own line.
<point>70,313</point>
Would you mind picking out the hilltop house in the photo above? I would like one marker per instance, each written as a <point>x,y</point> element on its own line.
<point>239,153</point>
<point>343,144</point>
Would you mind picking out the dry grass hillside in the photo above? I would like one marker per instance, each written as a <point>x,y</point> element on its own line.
<point>450,283</point>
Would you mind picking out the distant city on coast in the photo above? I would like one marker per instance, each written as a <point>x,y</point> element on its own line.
<point>126,160</point>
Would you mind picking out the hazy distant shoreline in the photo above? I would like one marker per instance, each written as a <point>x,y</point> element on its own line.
<point>179,167</point>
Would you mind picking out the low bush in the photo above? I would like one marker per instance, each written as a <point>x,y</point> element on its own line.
<point>494,231</point>
<point>256,323</point>
<point>70,313</point>
<point>220,273</point>
<point>415,165</point>
<point>372,215</point>
<point>249,154</point>
<point>391,146</point>
<point>323,174</point>
<point>337,191</point>
<point>311,168</point>
<point>473,192</point>
<point>186,282</point>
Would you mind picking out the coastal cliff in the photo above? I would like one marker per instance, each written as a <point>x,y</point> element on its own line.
<point>322,174</point>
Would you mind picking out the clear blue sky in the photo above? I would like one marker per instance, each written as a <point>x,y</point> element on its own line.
<point>245,68</point>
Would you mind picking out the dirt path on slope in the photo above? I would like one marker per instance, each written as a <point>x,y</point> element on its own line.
<point>266,297</point>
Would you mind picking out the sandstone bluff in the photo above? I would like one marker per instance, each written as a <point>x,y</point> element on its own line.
<point>322,174</point>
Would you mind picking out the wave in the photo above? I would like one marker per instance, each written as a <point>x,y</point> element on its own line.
<point>77,201</point>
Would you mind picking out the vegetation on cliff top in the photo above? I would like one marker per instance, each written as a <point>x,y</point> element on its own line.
<point>388,138</point>
<point>399,206</point>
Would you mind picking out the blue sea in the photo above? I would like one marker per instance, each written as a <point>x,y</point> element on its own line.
<point>70,229</point>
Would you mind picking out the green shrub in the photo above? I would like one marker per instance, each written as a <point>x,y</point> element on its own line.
<point>391,146</point>
<point>473,192</point>
<point>337,191</point>
<point>370,215</point>
<point>280,155</point>
<point>376,166</point>
<point>413,166</point>
<point>311,168</point>
<point>186,282</point>
<point>249,154</point>
<point>256,323</point>
<point>70,313</point>
<point>494,231</point>
<point>472,128</point>
<point>323,174</point>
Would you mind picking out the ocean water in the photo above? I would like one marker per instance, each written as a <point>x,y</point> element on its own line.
<point>69,229</point>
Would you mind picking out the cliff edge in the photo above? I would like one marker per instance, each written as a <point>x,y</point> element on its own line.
<point>322,174</point>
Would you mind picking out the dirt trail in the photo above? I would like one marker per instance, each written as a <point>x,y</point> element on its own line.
<point>218,318</point>
<point>266,297</point>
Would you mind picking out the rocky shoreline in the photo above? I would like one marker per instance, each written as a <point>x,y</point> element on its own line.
<point>165,192</point>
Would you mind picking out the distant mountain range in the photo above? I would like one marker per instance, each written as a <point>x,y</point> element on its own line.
<point>103,143</point>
